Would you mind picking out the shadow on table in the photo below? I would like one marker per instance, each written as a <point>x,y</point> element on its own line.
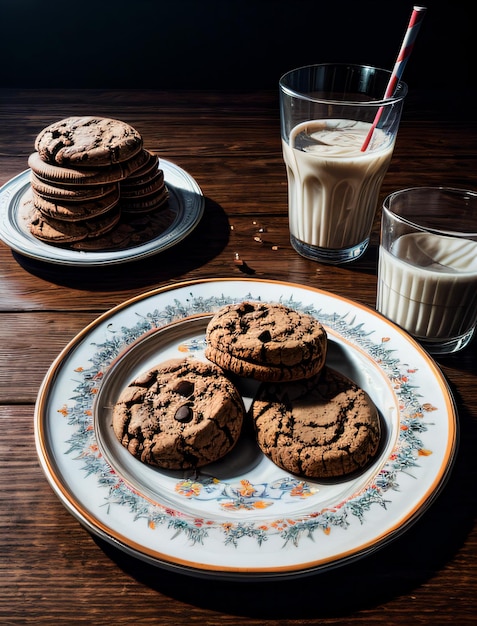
<point>205,242</point>
<point>368,263</point>
<point>394,570</point>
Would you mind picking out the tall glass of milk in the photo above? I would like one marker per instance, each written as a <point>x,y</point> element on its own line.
<point>427,273</point>
<point>328,112</point>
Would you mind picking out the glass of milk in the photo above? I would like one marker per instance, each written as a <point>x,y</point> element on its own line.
<point>427,273</point>
<point>327,113</point>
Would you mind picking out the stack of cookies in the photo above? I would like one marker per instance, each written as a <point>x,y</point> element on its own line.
<point>87,175</point>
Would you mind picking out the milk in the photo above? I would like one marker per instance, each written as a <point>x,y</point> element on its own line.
<point>333,186</point>
<point>428,285</point>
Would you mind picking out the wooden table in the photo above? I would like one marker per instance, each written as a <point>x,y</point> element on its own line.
<point>52,570</point>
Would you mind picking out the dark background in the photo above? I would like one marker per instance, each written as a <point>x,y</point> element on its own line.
<point>232,45</point>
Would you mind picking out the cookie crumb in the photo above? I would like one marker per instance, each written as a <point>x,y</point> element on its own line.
<point>237,260</point>
<point>242,265</point>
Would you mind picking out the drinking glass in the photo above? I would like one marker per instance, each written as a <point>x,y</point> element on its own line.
<point>427,271</point>
<point>328,112</point>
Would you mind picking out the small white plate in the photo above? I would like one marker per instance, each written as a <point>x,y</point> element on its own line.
<point>185,201</point>
<point>241,517</point>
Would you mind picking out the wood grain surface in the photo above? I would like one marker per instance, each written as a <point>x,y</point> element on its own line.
<point>52,571</point>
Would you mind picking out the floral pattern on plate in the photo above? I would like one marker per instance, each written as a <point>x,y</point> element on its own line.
<point>408,453</point>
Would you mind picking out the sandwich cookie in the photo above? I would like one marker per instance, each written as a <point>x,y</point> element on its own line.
<point>60,232</point>
<point>74,211</point>
<point>71,193</point>
<point>75,176</point>
<point>265,341</point>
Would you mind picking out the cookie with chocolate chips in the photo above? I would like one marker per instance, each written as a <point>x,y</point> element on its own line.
<point>88,141</point>
<point>323,427</point>
<point>266,341</point>
<point>182,414</point>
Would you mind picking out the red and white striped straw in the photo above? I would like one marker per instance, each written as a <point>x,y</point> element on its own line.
<point>405,52</point>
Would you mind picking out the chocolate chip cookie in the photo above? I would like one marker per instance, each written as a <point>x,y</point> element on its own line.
<point>88,141</point>
<point>323,427</point>
<point>61,232</point>
<point>75,211</point>
<point>182,414</point>
<point>265,341</point>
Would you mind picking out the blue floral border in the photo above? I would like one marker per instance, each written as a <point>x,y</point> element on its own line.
<point>404,458</point>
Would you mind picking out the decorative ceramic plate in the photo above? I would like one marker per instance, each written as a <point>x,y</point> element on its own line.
<point>186,204</point>
<point>241,517</point>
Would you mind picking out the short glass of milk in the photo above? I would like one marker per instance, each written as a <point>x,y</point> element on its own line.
<point>427,272</point>
<point>338,134</point>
